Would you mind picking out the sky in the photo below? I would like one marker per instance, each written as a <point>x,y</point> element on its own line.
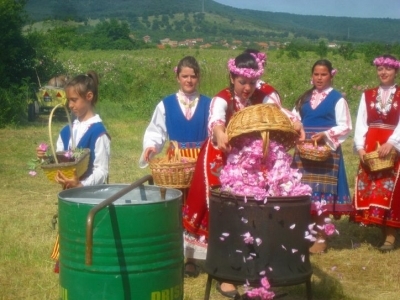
<point>335,8</point>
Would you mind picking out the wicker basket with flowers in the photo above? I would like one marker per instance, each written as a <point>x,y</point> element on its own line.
<point>173,171</point>
<point>311,150</point>
<point>68,162</point>
<point>376,163</point>
<point>265,120</point>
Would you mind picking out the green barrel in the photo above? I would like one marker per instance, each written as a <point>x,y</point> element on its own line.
<point>137,244</point>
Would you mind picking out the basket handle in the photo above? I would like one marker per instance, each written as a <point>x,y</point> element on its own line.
<point>312,141</point>
<point>265,138</point>
<point>50,135</point>
<point>173,153</point>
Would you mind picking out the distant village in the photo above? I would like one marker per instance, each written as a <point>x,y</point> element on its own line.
<point>199,42</point>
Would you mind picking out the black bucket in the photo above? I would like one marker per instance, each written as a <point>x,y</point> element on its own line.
<point>280,225</point>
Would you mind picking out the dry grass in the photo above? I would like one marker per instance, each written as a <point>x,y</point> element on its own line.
<point>351,269</point>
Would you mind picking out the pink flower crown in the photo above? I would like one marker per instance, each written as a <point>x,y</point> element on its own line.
<point>387,61</point>
<point>248,72</point>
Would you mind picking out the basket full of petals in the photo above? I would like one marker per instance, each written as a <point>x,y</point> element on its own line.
<point>311,150</point>
<point>173,170</point>
<point>68,162</point>
<point>376,163</point>
<point>266,120</point>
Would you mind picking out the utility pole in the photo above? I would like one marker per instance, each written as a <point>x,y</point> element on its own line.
<point>203,8</point>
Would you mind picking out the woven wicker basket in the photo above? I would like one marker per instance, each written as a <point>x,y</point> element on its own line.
<point>80,165</point>
<point>68,168</point>
<point>266,120</point>
<point>312,151</point>
<point>375,163</point>
<point>173,172</point>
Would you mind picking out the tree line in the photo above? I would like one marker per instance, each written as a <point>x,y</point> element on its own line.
<point>31,55</point>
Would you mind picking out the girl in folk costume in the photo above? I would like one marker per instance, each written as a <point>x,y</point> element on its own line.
<point>377,194</point>
<point>88,132</point>
<point>181,117</point>
<point>326,117</point>
<point>245,71</point>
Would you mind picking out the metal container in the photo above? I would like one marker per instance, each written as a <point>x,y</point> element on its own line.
<point>120,242</point>
<point>279,250</point>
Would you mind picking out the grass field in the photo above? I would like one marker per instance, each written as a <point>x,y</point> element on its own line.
<point>351,269</point>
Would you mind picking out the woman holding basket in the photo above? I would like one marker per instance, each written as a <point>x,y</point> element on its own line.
<point>326,119</point>
<point>244,72</point>
<point>377,193</point>
<point>180,117</point>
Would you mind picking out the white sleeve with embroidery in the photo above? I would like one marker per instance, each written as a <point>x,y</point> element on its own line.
<point>275,99</point>
<point>361,125</point>
<point>218,109</point>
<point>338,134</point>
<point>156,133</point>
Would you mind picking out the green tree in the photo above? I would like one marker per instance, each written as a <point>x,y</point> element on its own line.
<point>293,50</point>
<point>16,61</point>
<point>372,50</point>
<point>16,54</point>
<point>322,49</point>
<point>347,51</point>
<point>22,61</point>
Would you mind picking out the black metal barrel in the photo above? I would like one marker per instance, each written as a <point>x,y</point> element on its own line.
<point>279,250</point>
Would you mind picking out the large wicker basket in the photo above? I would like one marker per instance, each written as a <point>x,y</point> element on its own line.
<point>68,168</point>
<point>375,163</point>
<point>312,151</point>
<point>266,120</point>
<point>174,171</point>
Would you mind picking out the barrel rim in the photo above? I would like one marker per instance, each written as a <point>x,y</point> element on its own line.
<point>226,196</point>
<point>69,195</point>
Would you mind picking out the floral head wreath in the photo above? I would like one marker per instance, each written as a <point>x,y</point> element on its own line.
<point>387,62</point>
<point>248,72</point>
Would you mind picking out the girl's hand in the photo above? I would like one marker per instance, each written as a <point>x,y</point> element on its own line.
<point>149,153</point>
<point>318,136</point>
<point>68,183</point>
<point>361,154</point>
<point>298,126</point>
<point>384,149</point>
<point>220,138</point>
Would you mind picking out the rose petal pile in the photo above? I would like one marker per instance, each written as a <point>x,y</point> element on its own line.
<point>248,174</point>
<point>262,292</point>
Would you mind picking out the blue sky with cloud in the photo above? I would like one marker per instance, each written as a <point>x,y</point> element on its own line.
<point>335,8</point>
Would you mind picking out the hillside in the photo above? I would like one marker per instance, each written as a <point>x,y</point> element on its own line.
<point>213,19</point>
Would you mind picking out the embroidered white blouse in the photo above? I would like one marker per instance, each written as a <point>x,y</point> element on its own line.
<point>156,132</point>
<point>337,134</point>
<point>361,121</point>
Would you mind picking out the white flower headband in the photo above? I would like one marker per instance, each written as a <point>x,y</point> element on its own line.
<point>387,62</point>
<point>249,72</point>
